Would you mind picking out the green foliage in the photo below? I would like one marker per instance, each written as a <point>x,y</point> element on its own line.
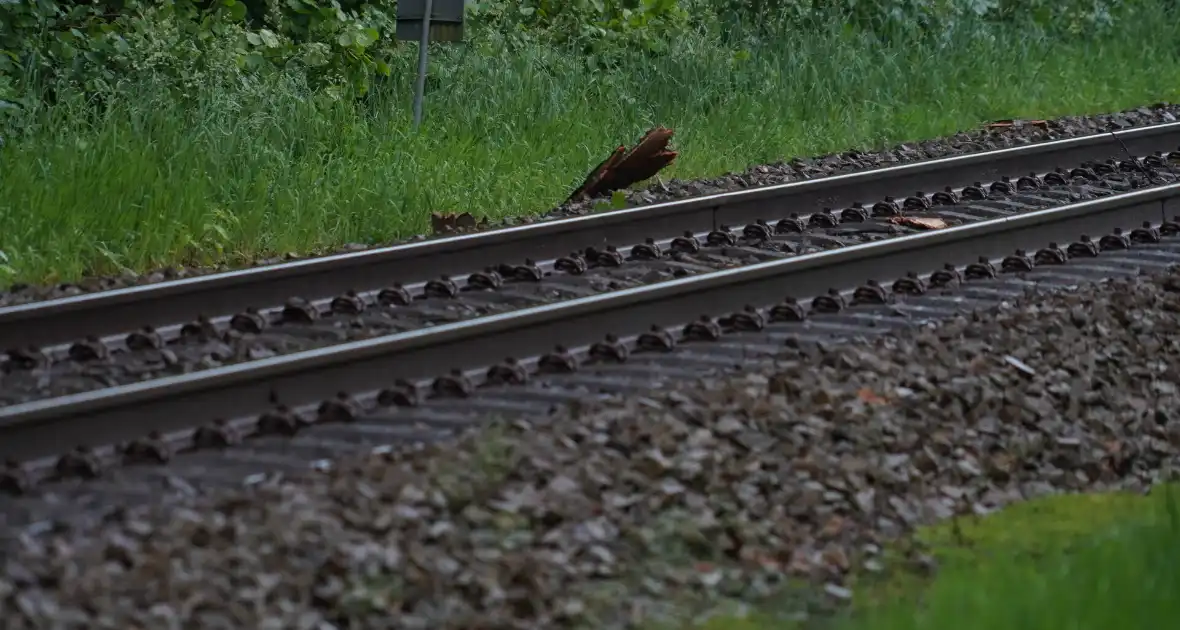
<point>339,47</point>
<point>597,28</point>
<point>91,47</point>
<point>263,168</point>
<point>935,16</point>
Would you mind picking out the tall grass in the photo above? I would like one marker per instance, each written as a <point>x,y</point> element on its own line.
<point>229,176</point>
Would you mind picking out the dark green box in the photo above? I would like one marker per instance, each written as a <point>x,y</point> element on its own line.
<point>446,20</point>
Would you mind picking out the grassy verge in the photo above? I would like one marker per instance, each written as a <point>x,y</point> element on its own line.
<point>1076,561</point>
<point>232,176</point>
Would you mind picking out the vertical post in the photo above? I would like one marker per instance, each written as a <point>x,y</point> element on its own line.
<point>423,46</point>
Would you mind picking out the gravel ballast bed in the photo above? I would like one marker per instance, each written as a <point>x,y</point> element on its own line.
<point>613,516</point>
<point>984,139</point>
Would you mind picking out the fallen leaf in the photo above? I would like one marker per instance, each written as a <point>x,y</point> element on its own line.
<point>922,223</point>
<point>1017,124</point>
<point>869,396</point>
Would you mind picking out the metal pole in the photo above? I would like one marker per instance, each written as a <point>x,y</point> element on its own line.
<point>423,45</point>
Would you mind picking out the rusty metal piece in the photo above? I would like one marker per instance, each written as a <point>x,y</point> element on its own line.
<point>396,295</point>
<point>299,311</point>
<point>721,237</point>
<point>78,463</point>
<point>1084,247</point>
<point>145,338</point>
<point>348,304</point>
<point>402,394</point>
<point>452,385</point>
<point>831,302</point>
<point>946,277</point>
<point>487,280</point>
<point>610,350</point>
<point>153,449</point>
<point>89,349</point>
<point>948,197</point>
<point>1029,183</point>
<point>856,214</point>
<point>218,434</point>
<point>1115,240</point>
<point>338,410</point>
<point>649,249</point>
<point>528,272</point>
<point>443,287</point>
<point>703,329</point>
<point>981,269</point>
<point>560,361</point>
<point>249,321</point>
<point>910,284</point>
<point>14,479</point>
<point>974,192</point>
<point>1003,186</point>
<point>574,264</point>
<point>789,310</point>
<point>609,257</point>
<point>1051,255</point>
<point>199,329</point>
<point>749,319</point>
<point>655,340</point>
<point>30,358</point>
<point>281,420</point>
<point>758,232</point>
<point>507,372</point>
<point>686,244</point>
<point>790,225</point>
<point>887,207</point>
<point>1017,262</point>
<point>870,292</point>
<point>825,218</point>
<point>1147,233</point>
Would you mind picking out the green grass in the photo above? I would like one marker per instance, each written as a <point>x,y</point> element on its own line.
<point>263,170</point>
<point>1083,562</point>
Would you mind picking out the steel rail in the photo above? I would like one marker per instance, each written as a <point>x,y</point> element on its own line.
<point>51,426</point>
<point>117,311</point>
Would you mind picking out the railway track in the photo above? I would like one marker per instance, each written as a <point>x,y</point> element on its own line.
<point>221,424</point>
<point>910,280</point>
<point>80,486</point>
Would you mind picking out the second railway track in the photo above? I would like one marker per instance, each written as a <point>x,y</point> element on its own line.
<point>166,306</point>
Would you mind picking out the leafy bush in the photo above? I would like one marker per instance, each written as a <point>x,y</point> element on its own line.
<point>196,44</point>
<point>339,47</point>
